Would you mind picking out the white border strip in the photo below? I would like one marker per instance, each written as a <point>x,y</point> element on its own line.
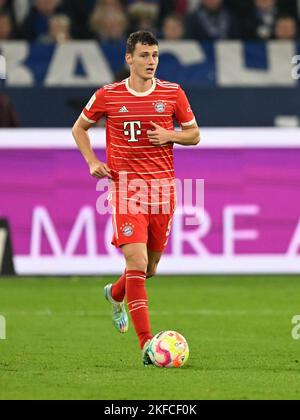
<point>224,138</point>
<point>239,264</point>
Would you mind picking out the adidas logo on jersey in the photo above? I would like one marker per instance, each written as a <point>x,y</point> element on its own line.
<point>123,109</point>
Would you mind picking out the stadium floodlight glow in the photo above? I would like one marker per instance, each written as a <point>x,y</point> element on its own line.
<point>296,68</point>
<point>2,67</point>
<point>2,328</point>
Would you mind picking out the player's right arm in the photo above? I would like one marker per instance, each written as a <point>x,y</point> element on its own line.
<point>90,115</point>
<point>80,133</point>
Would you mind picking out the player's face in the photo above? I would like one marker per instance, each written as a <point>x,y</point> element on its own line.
<point>144,61</point>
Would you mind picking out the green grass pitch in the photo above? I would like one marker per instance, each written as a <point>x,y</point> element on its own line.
<point>61,343</point>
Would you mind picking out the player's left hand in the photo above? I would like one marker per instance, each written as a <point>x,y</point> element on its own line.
<point>159,136</point>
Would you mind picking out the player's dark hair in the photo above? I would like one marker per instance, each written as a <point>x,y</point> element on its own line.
<point>144,37</point>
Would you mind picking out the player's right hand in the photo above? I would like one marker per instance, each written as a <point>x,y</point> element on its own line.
<point>100,170</point>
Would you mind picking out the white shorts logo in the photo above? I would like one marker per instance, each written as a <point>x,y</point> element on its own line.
<point>128,230</point>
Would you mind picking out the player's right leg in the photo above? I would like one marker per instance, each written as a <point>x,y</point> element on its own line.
<point>136,256</point>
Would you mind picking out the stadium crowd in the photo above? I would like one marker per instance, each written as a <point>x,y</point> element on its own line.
<point>112,20</point>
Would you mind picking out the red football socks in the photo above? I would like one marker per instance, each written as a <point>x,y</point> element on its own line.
<point>137,301</point>
<point>119,289</point>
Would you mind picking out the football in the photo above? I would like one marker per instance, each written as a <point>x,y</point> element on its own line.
<point>169,349</point>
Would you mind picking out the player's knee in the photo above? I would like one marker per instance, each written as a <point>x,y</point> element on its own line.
<point>137,262</point>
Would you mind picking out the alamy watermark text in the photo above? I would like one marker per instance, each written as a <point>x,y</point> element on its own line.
<point>2,67</point>
<point>2,328</point>
<point>296,67</point>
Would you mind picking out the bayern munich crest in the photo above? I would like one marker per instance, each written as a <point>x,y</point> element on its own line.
<point>127,229</point>
<point>160,107</point>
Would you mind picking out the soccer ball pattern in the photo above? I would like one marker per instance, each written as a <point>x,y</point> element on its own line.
<point>169,349</point>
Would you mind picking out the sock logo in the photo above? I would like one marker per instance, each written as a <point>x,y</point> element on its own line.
<point>138,303</point>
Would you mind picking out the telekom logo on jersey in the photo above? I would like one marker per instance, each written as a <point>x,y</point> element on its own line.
<point>132,132</point>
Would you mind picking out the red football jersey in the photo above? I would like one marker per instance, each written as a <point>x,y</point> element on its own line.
<point>128,114</point>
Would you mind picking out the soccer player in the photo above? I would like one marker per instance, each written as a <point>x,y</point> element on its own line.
<point>140,132</point>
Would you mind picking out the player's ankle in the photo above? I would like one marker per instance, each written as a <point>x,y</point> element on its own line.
<point>117,297</point>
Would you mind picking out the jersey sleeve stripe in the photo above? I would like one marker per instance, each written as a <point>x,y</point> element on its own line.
<point>188,124</point>
<point>87,119</point>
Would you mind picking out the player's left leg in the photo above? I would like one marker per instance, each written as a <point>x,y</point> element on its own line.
<point>136,269</point>
<point>153,261</point>
<point>158,234</point>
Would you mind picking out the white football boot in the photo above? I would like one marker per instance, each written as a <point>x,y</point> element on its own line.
<point>119,314</point>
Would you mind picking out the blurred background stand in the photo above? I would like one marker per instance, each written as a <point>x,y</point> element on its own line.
<point>8,115</point>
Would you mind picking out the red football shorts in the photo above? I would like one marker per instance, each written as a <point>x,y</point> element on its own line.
<point>150,229</point>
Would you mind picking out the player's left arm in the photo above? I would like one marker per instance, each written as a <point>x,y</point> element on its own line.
<point>190,133</point>
<point>189,136</point>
